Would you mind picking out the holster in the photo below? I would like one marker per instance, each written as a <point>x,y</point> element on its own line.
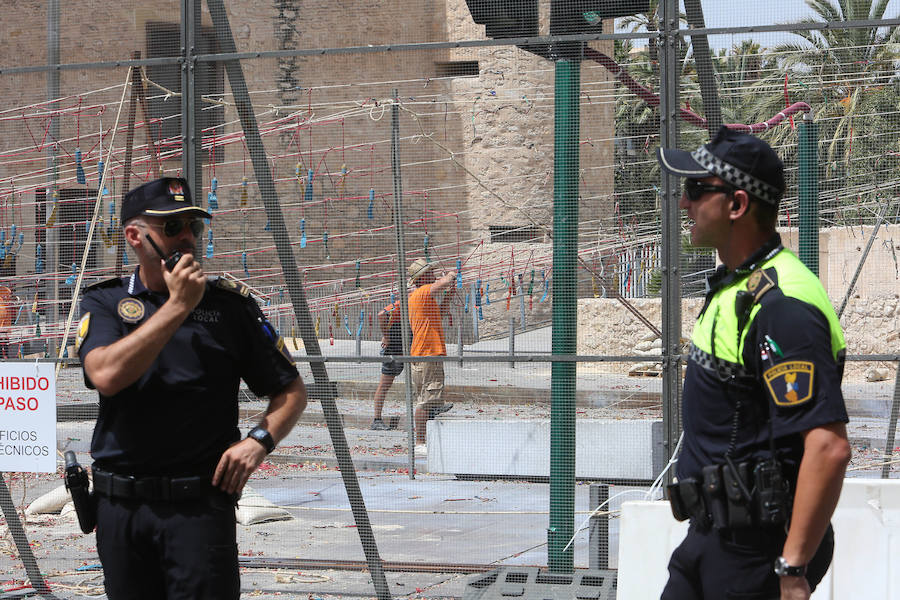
<point>686,501</point>
<point>676,502</point>
<point>85,503</point>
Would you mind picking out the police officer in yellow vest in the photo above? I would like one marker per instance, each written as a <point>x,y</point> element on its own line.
<point>765,445</point>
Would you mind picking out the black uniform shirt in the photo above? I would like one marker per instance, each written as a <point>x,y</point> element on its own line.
<point>801,333</point>
<point>181,415</point>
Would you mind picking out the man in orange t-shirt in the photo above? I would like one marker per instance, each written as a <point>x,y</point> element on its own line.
<point>427,305</point>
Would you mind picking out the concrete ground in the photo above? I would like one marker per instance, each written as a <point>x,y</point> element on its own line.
<point>437,520</point>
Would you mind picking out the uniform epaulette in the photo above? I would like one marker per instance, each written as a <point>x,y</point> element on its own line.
<point>231,285</point>
<point>760,282</point>
<point>115,281</point>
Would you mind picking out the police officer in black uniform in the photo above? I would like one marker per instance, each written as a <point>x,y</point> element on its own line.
<point>166,349</point>
<point>765,445</point>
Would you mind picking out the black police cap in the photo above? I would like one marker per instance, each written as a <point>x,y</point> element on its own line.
<point>161,198</point>
<point>741,159</point>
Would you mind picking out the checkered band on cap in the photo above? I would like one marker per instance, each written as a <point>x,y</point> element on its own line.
<point>735,176</point>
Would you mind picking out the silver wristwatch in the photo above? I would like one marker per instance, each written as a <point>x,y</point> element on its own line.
<point>783,569</point>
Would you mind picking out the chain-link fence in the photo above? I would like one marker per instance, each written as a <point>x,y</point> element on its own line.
<point>511,144</point>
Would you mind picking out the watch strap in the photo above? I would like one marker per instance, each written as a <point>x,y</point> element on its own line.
<point>263,437</point>
<point>783,569</point>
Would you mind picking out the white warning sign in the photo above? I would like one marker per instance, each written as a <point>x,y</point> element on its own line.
<point>27,417</point>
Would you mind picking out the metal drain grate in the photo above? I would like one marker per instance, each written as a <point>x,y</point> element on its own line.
<point>533,583</point>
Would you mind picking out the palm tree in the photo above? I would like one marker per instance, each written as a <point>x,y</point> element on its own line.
<point>849,77</point>
<point>648,21</point>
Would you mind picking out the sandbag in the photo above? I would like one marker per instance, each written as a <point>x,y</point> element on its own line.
<point>50,503</point>
<point>254,508</point>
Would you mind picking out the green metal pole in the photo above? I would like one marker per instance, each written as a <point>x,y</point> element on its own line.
<point>809,194</point>
<point>562,382</point>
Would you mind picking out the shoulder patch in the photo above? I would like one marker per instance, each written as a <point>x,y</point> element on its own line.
<point>114,282</point>
<point>232,286</point>
<point>282,347</point>
<point>84,326</point>
<point>790,383</point>
<point>760,282</point>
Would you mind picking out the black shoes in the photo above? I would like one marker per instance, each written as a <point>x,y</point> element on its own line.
<point>380,425</point>
<point>439,410</point>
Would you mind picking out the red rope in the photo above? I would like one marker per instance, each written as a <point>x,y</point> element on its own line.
<point>652,99</point>
<point>787,101</point>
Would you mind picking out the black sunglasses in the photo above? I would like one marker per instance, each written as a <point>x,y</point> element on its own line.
<point>694,189</point>
<point>173,227</point>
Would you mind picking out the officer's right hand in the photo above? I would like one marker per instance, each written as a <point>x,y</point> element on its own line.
<point>186,282</point>
<point>794,588</point>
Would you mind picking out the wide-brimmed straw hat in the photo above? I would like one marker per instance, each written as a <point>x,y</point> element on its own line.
<point>419,267</point>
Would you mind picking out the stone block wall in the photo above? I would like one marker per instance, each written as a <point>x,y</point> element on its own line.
<point>605,327</point>
<point>477,150</point>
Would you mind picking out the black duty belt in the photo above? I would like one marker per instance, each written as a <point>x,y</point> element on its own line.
<point>748,496</point>
<point>166,489</point>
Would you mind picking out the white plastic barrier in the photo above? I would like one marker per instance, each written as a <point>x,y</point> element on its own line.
<point>867,543</point>
<point>607,448</point>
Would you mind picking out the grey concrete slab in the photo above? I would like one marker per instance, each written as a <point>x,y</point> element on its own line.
<point>429,519</point>
<point>432,519</point>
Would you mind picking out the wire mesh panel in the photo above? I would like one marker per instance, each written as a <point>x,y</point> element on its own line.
<point>340,145</point>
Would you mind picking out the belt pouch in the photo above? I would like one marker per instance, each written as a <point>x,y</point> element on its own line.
<point>714,495</point>
<point>772,491</point>
<point>689,489</point>
<point>738,505</point>
<point>679,510</point>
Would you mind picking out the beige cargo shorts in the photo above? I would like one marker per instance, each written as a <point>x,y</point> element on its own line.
<point>428,380</point>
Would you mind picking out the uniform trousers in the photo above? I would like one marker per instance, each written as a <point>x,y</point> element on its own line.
<point>718,565</point>
<point>169,550</point>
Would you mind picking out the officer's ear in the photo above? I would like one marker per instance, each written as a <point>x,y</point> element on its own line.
<point>740,204</point>
<point>132,233</point>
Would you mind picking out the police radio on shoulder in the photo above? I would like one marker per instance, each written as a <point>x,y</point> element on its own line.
<point>263,437</point>
<point>783,569</point>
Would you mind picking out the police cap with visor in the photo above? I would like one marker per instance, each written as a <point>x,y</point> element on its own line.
<point>742,160</point>
<point>164,197</point>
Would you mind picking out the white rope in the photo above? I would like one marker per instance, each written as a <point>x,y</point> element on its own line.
<point>672,460</point>
<point>87,243</point>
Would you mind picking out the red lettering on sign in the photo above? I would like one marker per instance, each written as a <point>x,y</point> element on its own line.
<point>20,403</point>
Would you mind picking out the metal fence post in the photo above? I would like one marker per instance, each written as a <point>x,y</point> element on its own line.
<point>512,342</point>
<point>191,132</point>
<point>671,234</point>
<point>401,275</point>
<point>324,389</point>
<point>598,533</point>
<point>892,428</point>
<point>567,116</point>
<point>809,194</point>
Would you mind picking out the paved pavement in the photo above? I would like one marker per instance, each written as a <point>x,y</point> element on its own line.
<point>431,519</point>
